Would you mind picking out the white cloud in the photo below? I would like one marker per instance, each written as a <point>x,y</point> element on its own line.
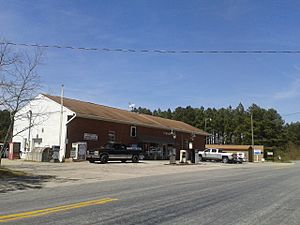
<point>291,92</point>
<point>234,9</point>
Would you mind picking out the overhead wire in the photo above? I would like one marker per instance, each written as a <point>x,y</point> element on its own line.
<point>291,114</point>
<point>160,51</point>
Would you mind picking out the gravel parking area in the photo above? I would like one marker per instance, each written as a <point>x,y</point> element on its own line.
<point>69,173</point>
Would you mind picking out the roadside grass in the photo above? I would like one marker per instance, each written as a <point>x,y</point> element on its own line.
<point>8,173</point>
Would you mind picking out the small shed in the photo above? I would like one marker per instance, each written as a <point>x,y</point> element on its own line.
<point>253,153</point>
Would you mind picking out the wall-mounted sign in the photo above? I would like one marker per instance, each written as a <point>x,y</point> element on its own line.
<point>257,151</point>
<point>37,140</point>
<point>90,137</point>
<point>270,153</point>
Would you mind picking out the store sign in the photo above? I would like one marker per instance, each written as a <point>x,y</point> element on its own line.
<point>257,151</point>
<point>90,137</point>
<point>37,140</point>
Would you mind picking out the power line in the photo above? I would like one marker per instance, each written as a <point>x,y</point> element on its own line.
<point>123,50</point>
<point>291,114</point>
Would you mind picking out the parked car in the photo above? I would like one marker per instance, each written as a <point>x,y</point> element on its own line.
<point>115,152</point>
<point>241,157</point>
<point>217,155</point>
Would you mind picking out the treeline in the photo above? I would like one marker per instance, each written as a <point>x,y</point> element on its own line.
<point>4,123</point>
<point>233,125</point>
<point>226,126</point>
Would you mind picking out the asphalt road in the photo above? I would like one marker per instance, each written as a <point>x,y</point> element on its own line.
<point>241,195</point>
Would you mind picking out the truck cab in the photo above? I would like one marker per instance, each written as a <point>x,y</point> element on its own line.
<point>114,152</point>
<point>217,155</point>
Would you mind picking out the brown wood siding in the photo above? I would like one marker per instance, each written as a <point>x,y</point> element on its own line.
<point>79,126</point>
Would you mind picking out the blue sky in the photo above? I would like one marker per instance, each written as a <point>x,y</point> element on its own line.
<point>160,80</point>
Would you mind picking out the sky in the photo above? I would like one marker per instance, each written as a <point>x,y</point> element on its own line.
<point>154,80</point>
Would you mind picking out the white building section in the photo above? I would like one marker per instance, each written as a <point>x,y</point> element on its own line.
<point>38,125</point>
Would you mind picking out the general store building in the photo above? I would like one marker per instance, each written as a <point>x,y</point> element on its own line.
<point>56,124</point>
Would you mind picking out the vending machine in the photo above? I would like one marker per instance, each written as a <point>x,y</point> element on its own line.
<point>78,151</point>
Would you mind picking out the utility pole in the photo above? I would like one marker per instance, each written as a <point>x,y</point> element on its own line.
<point>252,135</point>
<point>61,118</point>
<point>205,125</point>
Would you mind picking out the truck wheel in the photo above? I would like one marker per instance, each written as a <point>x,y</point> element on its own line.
<point>135,159</point>
<point>200,158</point>
<point>104,158</point>
<point>225,160</point>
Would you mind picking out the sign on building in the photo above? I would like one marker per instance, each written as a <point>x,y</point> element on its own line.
<point>257,151</point>
<point>90,137</point>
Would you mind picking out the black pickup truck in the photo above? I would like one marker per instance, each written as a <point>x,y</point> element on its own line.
<point>114,152</point>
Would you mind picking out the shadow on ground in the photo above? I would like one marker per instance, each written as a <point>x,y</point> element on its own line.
<point>11,180</point>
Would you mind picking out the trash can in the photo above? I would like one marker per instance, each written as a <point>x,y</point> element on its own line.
<point>192,151</point>
<point>173,156</point>
<point>197,160</point>
<point>55,153</point>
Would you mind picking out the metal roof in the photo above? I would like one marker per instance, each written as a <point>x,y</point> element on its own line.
<point>101,112</point>
<point>234,147</point>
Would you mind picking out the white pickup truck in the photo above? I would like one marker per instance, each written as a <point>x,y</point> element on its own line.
<point>217,155</point>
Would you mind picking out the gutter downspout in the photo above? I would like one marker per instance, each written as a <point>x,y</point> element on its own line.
<point>73,117</point>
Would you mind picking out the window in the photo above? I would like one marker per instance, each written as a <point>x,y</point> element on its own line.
<point>111,136</point>
<point>186,144</point>
<point>133,131</point>
<point>214,150</point>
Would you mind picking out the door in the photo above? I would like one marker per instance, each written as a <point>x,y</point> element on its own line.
<point>214,154</point>
<point>206,154</point>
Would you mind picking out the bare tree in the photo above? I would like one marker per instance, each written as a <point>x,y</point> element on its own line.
<point>19,82</point>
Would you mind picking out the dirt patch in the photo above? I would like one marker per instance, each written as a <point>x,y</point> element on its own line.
<point>44,174</point>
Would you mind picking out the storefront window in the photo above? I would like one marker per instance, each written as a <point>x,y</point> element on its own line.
<point>111,136</point>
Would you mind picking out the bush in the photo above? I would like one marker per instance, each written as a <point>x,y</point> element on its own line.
<point>289,152</point>
<point>293,151</point>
